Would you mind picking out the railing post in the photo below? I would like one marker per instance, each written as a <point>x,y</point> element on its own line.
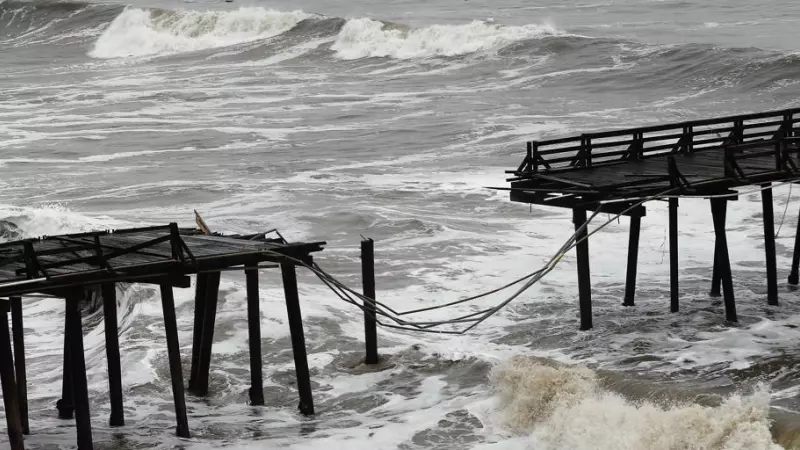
<point>588,152</point>
<point>534,155</point>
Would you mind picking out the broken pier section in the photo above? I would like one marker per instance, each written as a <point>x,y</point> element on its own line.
<point>617,172</point>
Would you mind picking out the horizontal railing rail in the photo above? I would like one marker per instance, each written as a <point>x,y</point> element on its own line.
<point>608,147</point>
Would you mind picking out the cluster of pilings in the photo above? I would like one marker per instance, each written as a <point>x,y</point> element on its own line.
<point>74,402</point>
<point>722,279</point>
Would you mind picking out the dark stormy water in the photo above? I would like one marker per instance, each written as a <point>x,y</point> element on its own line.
<point>334,119</point>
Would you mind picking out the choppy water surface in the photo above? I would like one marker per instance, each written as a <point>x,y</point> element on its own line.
<point>333,119</point>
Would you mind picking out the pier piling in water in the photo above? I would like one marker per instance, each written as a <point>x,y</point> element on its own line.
<point>65,406</point>
<point>174,353</point>
<point>19,362</point>
<point>306,405</point>
<point>718,207</point>
<point>769,244</point>
<point>207,335</point>
<point>633,258</point>
<point>673,255</point>
<point>370,320</point>
<point>794,277</point>
<point>13,422</point>
<point>80,390</point>
<point>584,280</point>
<point>201,284</point>
<point>254,336</point>
<point>109,293</point>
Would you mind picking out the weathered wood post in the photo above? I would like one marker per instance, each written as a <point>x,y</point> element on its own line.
<point>794,277</point>
<point>370,319</point>
<point>633,260</point>
<point>718,206</point>
<point>769,245</point>
<point>19,362</point>
<point>109,293</point>
<point>254,335</point>
<point>65,405</point>
<point>13,422</point>
<point>80,390</point>
<point>174,353</point>
<point>673,254</point>
<point>306,404</point>
<point>716,280</point>
<point>201,285</point>
<point>584,280</point>
<point>207,339</point>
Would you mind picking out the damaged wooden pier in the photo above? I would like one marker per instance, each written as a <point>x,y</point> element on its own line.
<point>72,266</point>
<point>617,172</point>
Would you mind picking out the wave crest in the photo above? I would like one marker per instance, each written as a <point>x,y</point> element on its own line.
<point>563,407</point>
<point>364,38</point>
<point>139,32</point>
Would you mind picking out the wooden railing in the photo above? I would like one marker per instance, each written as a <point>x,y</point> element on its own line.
<point>593,149</point>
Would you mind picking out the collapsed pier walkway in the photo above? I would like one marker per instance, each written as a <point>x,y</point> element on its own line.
<point>618,172</point>
<point>72,266</point>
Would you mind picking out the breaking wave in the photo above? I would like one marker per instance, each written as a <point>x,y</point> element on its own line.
<point>364,38</point>
<point>558,407</point>
<point>140,32</point>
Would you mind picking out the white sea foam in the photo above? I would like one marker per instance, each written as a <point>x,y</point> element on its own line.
<point>140,32</point>
<point>364,38</point>
<point>561,407</point>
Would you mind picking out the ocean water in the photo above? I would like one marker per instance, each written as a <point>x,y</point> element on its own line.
<point>336,119</point>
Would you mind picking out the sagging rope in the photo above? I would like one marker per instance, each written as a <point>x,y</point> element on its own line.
<point>379,309</point>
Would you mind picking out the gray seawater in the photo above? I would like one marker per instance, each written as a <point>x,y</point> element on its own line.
<point>330,120</point>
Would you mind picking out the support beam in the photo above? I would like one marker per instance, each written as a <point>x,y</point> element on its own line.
<point>370,322</point>
<point>174,353</point>
<point>19,362</point>
<point>13,422</point>
<point>65,405</point>
<point>109,294</point>
<point>723,260</point>
<point>716,278</point>
<point>207,338</point>
<point>80,390</point>
<point>584,277</point>
<point>306,404</point>
<point>769,245</point>
<point>633,260</point>
<point>794,278</point>
<point>673,255</point>
<point>197,331</point>
<point>254,336</point>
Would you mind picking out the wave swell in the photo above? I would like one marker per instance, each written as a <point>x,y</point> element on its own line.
<point>140,32</point>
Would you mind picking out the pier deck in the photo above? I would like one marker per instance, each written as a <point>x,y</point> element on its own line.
<point>619,171</point>
<point>74,265</point>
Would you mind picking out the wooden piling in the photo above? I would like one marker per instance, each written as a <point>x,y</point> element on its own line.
<point>200,294</point>
<point>174,353</point>
<point>12,413</point>
<point>19,362</point>
<point>65,405</point>
<point>633,260</point>
<point>584,280</point>
<point>716,278</point>
<point>723,260</point>
<point>254,336</point>
<point>207,338</point>
<point>673,255</point>
<point>794,278</point>
<point>370,321</point>
<point>306,404</point>
<point>769,245</point>
<point>80,390</point>
<point>109,294</point>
